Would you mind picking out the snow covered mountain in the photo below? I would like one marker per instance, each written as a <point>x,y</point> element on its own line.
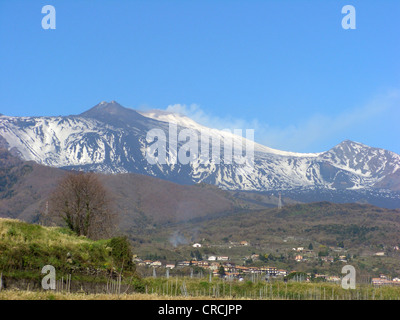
<point>111,138</point>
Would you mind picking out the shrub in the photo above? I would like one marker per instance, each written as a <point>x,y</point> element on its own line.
<point>122,253</point>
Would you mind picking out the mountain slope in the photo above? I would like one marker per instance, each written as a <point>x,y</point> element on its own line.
<point>325,222</point>
<point>24,186</point>
<point>110,138</point>
<point>140,200</point>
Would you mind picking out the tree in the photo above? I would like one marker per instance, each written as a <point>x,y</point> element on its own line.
<point>82,202</point>
<point>221,270</point>
<point>323,251</point>
<point>122,253</point>
<point>197,255</point>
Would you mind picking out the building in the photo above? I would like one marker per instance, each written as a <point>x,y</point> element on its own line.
<point>242,269</point>
<point>202,263</point>
<point>380,281</point>
<point>213,266</point>
<point>183,263</point>
<point>196,245</point>
<point>333,279</point>
<point>327,259</point>
<point>282,273</point>
<point>298,258</point>
<point>271,271</point>
<point>222,258</point>
<point>156,264</point>
<point>231,275</point>
<point>255,256</point>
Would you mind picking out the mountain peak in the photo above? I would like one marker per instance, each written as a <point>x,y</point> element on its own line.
<point>349,144</point>
<point>349,148</point>
<point>112,112</point>
<point>112,107</point>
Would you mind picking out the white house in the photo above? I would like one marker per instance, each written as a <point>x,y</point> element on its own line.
<point>196,245</point>
<point>222,258</point>
<point>380,254</point>
<point>281,272</point>
<point>156,264</point>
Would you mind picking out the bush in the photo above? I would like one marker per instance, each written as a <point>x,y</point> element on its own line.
<point>122,253</point>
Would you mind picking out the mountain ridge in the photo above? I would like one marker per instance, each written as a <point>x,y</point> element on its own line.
<point>111,138</point>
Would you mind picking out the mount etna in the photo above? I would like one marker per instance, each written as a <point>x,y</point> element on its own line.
<point>109,138</point>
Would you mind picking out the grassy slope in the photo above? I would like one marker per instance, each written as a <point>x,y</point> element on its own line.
<point>26,248</point>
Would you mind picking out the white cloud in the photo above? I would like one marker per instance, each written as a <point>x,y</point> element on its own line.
<point>320,127</point>
<point>196,113</point>
<point>306,136</point>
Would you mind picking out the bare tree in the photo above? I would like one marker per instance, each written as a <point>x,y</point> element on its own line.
<point>83,203</point>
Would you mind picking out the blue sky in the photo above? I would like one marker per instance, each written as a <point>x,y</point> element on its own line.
<point>285,68</point>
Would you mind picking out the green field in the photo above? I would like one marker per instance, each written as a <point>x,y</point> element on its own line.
<point>195,289</point>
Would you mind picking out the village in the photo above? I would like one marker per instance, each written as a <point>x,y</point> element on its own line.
<point>224,267</point>
<point>221,267</point>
